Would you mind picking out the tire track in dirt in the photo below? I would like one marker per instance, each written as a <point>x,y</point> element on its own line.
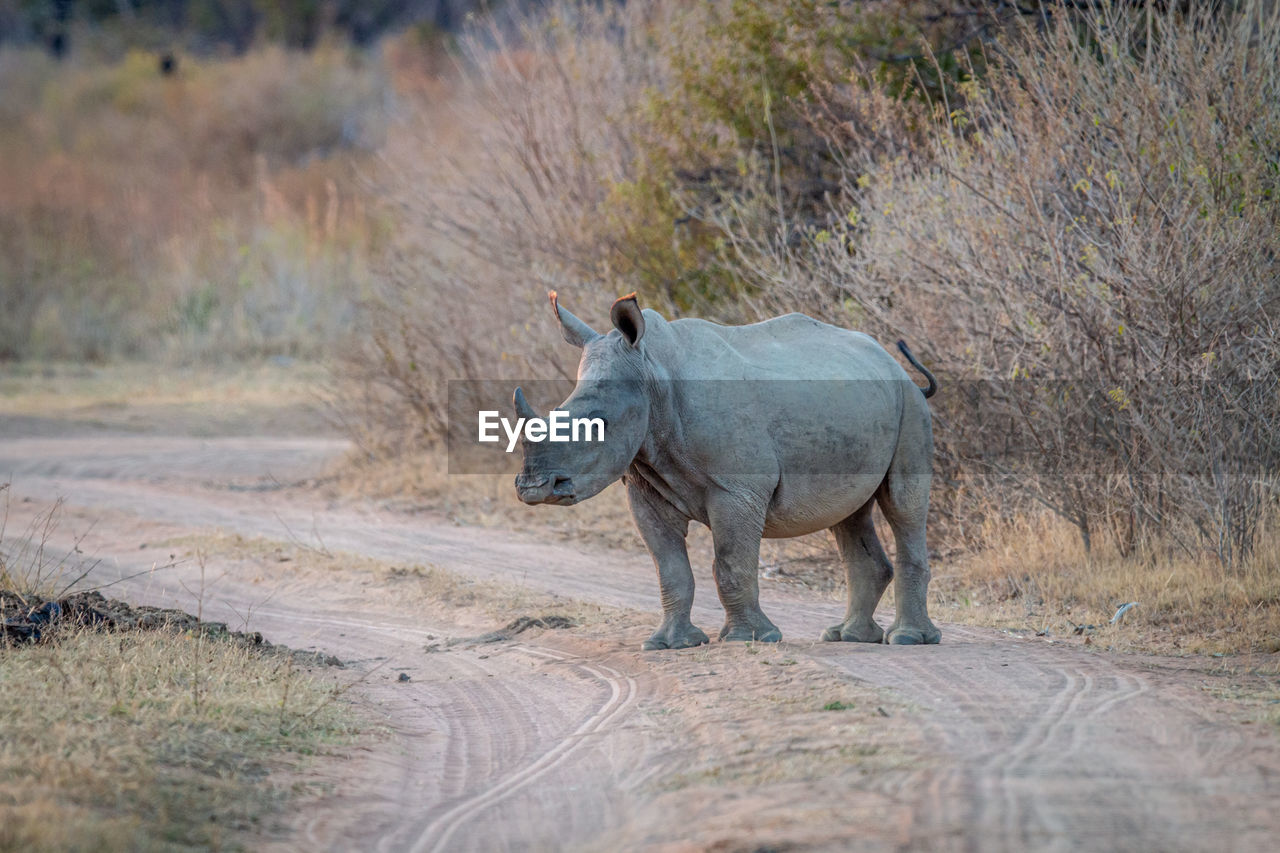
<point>1038,746</point>
<point>1058,748</point>
<point>623,689</point>
<point>1067,761</point>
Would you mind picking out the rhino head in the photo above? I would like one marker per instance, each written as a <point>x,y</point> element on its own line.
<point>611,387</point>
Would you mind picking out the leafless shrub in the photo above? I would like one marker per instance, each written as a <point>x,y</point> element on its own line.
<point>1088,248</point>
<point>493,188</point>
<point>560,157</point>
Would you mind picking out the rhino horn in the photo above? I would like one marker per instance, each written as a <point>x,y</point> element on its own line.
<point>523,409</point>
<point>574,330</point>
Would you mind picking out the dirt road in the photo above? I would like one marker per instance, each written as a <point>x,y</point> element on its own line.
<point>575,739</point>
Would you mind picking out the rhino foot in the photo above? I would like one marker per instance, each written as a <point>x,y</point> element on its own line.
<point>675,637</point>
<point>767,633</point>
<point>905,635</point>
<point>854,632</point>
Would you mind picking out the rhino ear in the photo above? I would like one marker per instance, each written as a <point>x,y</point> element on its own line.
<point>628,319</point>
<point>574,330</point>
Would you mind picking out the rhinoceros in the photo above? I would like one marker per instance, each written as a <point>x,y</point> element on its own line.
<point>770,430</point>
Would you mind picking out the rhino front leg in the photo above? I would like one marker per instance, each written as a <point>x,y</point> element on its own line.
<point>736,528</point>
<point>663,530</point>
<point>868,572</point>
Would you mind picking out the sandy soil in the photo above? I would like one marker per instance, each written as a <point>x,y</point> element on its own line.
<point>575,739</point>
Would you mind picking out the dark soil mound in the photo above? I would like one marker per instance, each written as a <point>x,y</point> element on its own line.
<point>30,619</point>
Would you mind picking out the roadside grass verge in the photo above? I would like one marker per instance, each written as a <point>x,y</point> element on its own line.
<point>155,739</point>
<point>1038,577</point>
<point>150,740</point>
<point>54,388</point>
<point>227,397</point>
<point>1255,695</point>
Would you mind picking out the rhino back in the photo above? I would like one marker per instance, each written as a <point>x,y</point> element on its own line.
<point>793,346</point>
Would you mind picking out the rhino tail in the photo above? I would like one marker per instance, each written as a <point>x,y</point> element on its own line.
<point>933,383</point>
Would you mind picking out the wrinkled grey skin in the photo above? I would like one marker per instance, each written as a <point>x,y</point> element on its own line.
<point>750,459</point>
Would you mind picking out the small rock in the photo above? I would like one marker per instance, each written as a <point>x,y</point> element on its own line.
<point>404,676</point>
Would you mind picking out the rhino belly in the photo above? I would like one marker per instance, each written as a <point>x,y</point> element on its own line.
<point>807,503</point>
<point>832,455</point>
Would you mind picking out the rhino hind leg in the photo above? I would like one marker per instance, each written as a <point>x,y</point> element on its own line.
<point>867,573</point>
<point>912,627</point>
<point>904,499</point>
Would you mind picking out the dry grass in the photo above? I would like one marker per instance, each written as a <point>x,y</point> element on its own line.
<point>1253,693</point>
<point>104,746</point>
<point>146,739</point>
<point>274,397</point>
<point>1036,576</point>
<point>56,389</point>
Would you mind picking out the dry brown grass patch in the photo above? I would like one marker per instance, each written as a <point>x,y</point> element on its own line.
<point>143,739</point>
<point>151,740</point>
<point>281,397</point>
<point>1037,576</point>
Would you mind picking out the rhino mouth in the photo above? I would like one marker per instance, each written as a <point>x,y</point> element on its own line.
<point>551,489</point>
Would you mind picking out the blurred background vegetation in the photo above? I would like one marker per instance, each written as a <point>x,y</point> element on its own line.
<point>1070,208</point>
<point>232,26</point>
